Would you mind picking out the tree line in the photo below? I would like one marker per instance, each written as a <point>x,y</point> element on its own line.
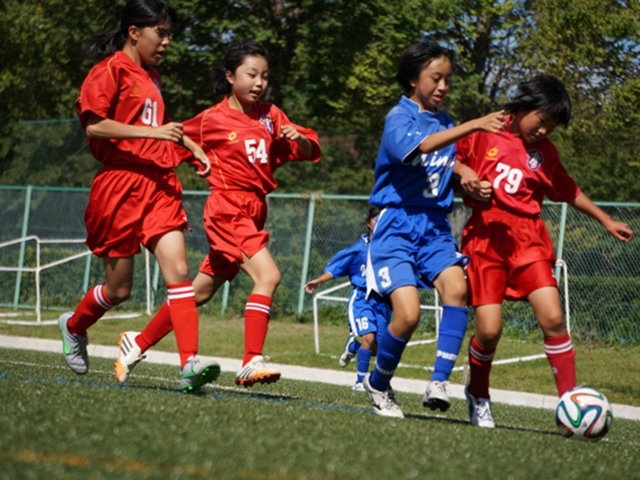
<point>332,67</point>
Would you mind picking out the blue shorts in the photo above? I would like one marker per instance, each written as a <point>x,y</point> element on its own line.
<point>410,246</point>
<point>367,316</point>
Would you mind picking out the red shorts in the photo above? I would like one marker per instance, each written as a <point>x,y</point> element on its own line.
<point>511,256</point>
<point>132,206</point>
<point>234,222</point>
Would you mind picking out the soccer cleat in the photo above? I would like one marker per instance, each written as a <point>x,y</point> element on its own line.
<point>347,355</point>
<point>436,397</point>
<point>195,374</point>
<point>74,347</point>
<point>357,387</point>
<point>257,371</point>
<point>479,410</point>
<point>384,403</point>
<point>129,355</point>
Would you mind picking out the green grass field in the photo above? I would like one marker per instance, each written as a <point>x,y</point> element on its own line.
<point>55,424</point>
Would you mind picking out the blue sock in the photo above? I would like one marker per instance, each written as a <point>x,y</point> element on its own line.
<point>450,335</point>
<point>389,353</point>
<point>354,346</point>
<point>364,358</point>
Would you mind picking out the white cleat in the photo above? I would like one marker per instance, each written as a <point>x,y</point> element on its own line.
<point>384,403</point>
<point>257,370</point>
<point>479,410</point>
<point>129,355</point>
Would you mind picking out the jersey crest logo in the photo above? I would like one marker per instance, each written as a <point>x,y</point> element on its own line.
<point>232,137</point>
<point>535,160</point>
<point>267,121</point>
<point>135,90</point>
<point>492,155</point>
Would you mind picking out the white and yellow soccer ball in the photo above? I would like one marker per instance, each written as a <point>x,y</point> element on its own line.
<point>583,414</point>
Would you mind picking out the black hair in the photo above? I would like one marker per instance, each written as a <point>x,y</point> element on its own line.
<point>416,58</point>
<point>545,93</point>
<point>233,58</point>
<point>373,213</point>
<point>139,13</point>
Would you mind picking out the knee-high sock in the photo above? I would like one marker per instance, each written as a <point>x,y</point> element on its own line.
<point>389,354</point>
<point>157,328</point>
<point>256,324</point>
<point>184,318</point>
<point>562,358</point>
<point>91,308</point>
<point>364,359</point>
<point>480,361</point>
<point>450,335</point>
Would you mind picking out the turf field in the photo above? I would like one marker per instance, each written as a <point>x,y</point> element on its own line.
<point>55,424</point>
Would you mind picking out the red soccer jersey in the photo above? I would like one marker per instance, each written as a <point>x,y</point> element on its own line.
<point>244,149</point>
<point>119,89</point>
<point>521,173</point>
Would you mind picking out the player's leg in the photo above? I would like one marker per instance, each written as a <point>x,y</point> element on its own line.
<point>405,304</point>
<point>351,345</point>
<point>96,302</point>
<point>266,277</point>
<point>557,341</point>
<point>482,349</point>
<point>452,287</point>
<point>364,358</point>
<point>171,253</point>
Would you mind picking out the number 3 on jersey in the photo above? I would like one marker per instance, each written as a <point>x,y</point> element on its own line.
<point>256,152</point>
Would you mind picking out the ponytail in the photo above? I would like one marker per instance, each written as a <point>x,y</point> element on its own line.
<point>221,85</point>
<point>105,44</point>
<point>137,13</point>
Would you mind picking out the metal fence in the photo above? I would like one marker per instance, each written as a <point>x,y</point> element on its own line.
<point>306,230</point>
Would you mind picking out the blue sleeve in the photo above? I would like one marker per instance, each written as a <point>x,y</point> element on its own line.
<point>402,137</point>
<point>340,264</point>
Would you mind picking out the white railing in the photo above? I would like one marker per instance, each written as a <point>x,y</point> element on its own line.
<point>326,295</point>
<point>41,267</point>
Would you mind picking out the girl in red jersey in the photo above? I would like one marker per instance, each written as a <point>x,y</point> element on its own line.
<point>246,140</point>
<point>511,253</point>
<point>136,196</point>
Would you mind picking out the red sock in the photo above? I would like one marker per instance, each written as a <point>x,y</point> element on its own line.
<point>158,328</point>
<point>91,308</point>
<point>184,318</point>
<point>562,358</point>
<point>256,323</point>
<point>480,361</point>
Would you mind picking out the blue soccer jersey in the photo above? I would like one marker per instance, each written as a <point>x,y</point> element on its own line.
<point>405,177</point>
<point>351,262</point>
<point>365,316</point>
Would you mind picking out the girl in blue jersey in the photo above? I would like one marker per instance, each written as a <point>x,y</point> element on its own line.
<point>412,244</point>
<point>367,318</point>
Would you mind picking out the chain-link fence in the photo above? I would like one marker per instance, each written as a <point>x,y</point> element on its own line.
<point>306,231</point>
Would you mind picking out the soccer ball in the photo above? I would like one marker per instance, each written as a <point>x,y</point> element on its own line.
<point>583,414</point>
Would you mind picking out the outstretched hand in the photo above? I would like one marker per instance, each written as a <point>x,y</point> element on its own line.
<point>311,285</point>
<point>619,230</point>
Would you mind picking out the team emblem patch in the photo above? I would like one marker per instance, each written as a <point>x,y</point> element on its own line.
<point>267,121</point>
<point>535,160</point>
<point>492,154</point>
